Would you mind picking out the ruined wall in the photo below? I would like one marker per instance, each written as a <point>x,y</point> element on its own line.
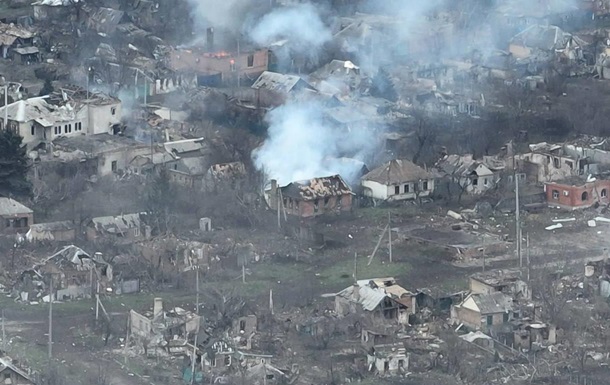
<point>478,287</point>
<point>102,118</point>
<point>122,157</point>
<point>577,197</point>
<point>229,65</point>
<point>468,317</point>
<point>306,209</point>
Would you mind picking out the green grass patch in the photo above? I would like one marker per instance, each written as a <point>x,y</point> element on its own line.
<point>341,272</point>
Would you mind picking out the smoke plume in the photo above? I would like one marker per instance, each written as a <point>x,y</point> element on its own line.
<point>301,145</point>
<point>301,25</point>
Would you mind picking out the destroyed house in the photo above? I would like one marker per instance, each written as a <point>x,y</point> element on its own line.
<point>313,197</point>
<point>186,148</point>
<point>338,77</point>
<point>52,231</point>
<point>398,180</point>
<point>506,281</point>
<point>164,330</point>
<point>379,298</point>
<point>219,67</point>
<point>541,40</point>
<point>74,272</point>
<point>577,193</point>
<point>124,227</point>
<point>484,311</point>
<point>549,162</point>
<point>472,175</point>
<point>13,375</point>
<point>281,83</point>
<point>14,217</point>
<point>105,20</point>
<point>109,154</point>
<point>14,36</point>
<point>36,120</point>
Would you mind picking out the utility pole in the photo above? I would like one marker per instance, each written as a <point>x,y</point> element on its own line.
<point>51,319</point>
<point>3,333</point>
<point>527,245</point>
<point>355,267</point>
<point>390,235</point>
<point>197,289</point>
<point>518,222</point>
<point>237,62</point>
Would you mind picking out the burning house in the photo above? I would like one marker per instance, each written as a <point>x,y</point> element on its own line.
<point>310,198</point>
<point>214,66</point>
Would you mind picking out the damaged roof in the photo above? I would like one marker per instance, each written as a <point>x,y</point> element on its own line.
<point>52,226</point>
<point>10,206</point>
<point>545,37</point>
<point>273,81</point>
<point>227,170</point>
<point>398,171</point>
<point>7,364</point>
<point>497,278</point>
<point>105,19</point>
<point>317,188</point>
<point>117,225</point>
<point>183,146</point>
<point>11,32</point>
<point>370,292</point>
<point>39,110</point>
<point>493,303</point>
<point>462,165</point>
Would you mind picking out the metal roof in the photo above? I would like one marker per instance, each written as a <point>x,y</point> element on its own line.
<point>274,81</point>
<point>10,206</point>
<point>398,171</point>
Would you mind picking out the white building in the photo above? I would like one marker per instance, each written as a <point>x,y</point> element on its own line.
<point>398,180</point>
<point>43,119</point>
<point>474,176</point>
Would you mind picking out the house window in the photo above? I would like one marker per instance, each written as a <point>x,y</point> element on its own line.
<point>242,325</point>
<point>505,317</point>
<point>33,130</point>
<point>227,360</point>
<point>113,110</point>
<point>569,164</point>
<point>484,181</point>
<point>70,127</point>
<point>232,65</point>
<point>7,223</point>
<point>136,231</point>
<point>326,200</point>
<point>475,182</point>
<point>584,196</point>
<point>316,206</point>
<point>250,60</point>
<point>556,162</point>
<point>406,188</point>
<point>65,129</point>
<point>490,320</point>
<point>425,185</point>
<point>113,166</point>
<point>270,376</point>
<point>396,190</point>
<point>555,194</point>
<point>604,193</point>
<point>566,193</point>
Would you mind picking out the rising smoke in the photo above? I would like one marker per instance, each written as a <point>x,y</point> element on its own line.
<point>301,26</point>
<point>300,145</point>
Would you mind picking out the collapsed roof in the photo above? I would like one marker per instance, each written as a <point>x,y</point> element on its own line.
<point>317,188</point>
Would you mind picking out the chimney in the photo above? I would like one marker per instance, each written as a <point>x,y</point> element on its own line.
<point>356,292</point>
<point>157,308</point>
<point>273,194</point>
<point>210,38</point>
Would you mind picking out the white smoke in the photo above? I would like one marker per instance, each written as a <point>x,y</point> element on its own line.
<point>301,25</point>
<point>301,145</point>
<point>218,13</point>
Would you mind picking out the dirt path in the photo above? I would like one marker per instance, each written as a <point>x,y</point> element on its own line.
<point>80,358</point>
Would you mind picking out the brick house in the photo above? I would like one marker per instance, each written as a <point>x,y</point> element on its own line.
<point>14,217</point>
<point>576,193</point>
<point>311,197</point>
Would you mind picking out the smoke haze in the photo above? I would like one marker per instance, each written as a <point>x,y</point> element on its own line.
<point>300,145</point>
